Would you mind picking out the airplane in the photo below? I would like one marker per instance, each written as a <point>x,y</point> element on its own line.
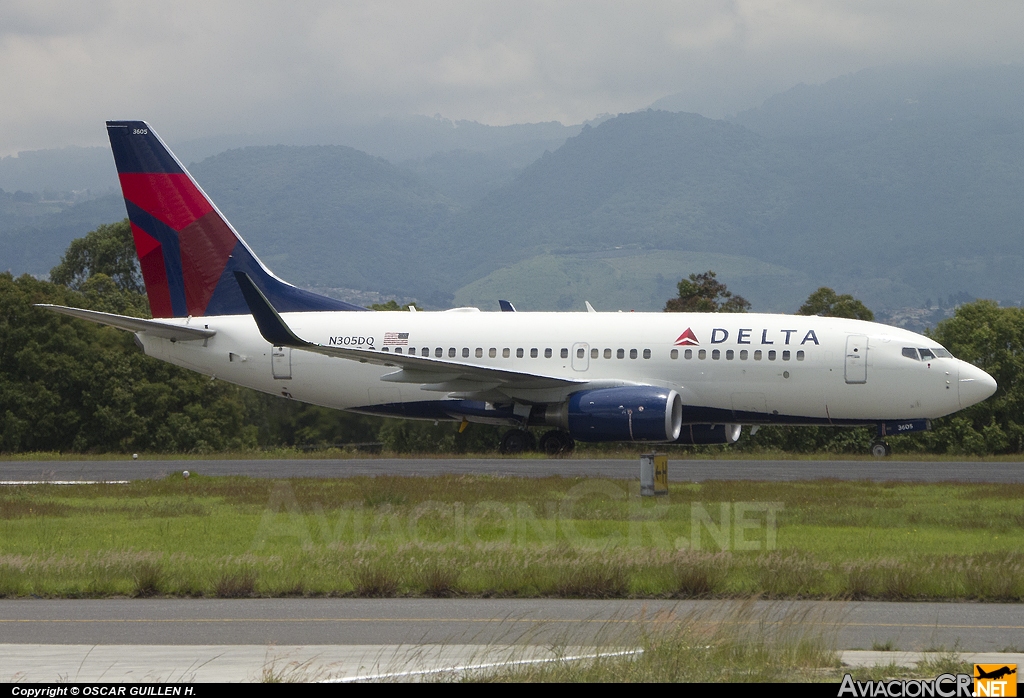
<point>995,674</point>
<point>674,378</point>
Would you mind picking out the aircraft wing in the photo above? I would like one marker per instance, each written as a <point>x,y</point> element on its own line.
<point>434,374</point>
<point>157,328</point>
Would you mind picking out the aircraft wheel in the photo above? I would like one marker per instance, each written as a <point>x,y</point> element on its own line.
<point>516,441</point>
<point>557,443</point>
<point>880,449</point>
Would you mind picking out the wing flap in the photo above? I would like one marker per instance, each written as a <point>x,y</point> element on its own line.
<point>431,371</point>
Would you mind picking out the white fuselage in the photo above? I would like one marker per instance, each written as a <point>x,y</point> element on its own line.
<point>789,365</point>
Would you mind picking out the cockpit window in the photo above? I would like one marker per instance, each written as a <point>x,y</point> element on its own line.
<point>922,354</point>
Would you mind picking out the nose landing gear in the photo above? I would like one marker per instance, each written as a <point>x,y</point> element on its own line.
<point>880,449</point>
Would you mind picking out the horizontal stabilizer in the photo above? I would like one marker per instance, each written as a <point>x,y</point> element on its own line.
<point>157,328</point>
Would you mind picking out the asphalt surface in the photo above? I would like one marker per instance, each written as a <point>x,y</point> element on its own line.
<point>679,470</point>
<point>854,625</point>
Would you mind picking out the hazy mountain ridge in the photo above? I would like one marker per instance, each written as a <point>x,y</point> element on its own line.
<point>884,184</point>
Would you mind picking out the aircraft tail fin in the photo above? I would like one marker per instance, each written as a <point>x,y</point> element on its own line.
<point>187,249</point>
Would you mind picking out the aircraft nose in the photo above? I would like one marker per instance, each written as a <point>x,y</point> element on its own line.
<point>975,385</point>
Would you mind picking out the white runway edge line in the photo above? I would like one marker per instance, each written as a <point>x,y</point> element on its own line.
<point>482,666</point>
<point>64,482</point>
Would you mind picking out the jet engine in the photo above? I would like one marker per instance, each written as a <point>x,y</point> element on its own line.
<point>709,434</point>
<point>642,413</point>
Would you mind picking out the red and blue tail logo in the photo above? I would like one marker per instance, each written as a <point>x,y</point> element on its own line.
<point>187,250</point>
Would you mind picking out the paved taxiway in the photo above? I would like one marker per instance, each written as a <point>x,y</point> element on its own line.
<point>854,625</point>
<point>679,470</point>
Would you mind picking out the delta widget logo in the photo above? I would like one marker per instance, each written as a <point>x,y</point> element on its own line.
<point>687,339</point>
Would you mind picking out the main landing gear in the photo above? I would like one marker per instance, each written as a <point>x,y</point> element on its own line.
<point>557,443</point>
<point>553,443</point>
<point>516,441</point>
<point>880,449</point>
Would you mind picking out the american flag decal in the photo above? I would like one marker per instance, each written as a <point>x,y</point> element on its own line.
<point>396,339</point>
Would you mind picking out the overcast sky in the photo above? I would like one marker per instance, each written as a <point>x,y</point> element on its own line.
<point>200,68</point>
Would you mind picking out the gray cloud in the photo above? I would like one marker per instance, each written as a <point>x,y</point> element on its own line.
<point>196,67</point>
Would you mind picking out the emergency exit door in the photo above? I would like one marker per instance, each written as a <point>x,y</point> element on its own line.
<point>281,362</point>
<point>857,359</point>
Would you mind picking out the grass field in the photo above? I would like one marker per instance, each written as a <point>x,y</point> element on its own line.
<point>485,536</point>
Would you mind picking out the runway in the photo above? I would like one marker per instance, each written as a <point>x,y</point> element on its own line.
<point>679,470</point>
<point>855,625</point>
<point>242,640</point>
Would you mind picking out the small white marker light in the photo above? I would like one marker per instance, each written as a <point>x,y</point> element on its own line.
<point>135,456</point>
<point>184,474</point>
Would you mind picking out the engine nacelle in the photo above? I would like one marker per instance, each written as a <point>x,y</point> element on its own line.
<point>644,413</point>
<point>709,434</point>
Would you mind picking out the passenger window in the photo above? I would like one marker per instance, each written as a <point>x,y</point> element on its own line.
<point>785,355</point>
<point>620,354</point>
<point>716,354</point>
<point>771,355</point>
<point>492,352</point>
<point>439,352</point>
<point>743,354</point>
<point>729,354</point>
<point>688,353</point>
<point>926,355</point>
<point>702,354</point>
<point>505,352</point>
<point>607,353</point>
<point>594,353</point>
<point>632,353</point>
<point>674,354</point>
<point>547,353</point>
<point>426,351</point>
<point>479,352</point>
<point>386,349</point>
<point>533,353</point>
<point>647,353</point>
<point>398,350</point>
<point>451,352</point>
<point>465,352</point>
<point>800,355</point>
<point>519,353</point>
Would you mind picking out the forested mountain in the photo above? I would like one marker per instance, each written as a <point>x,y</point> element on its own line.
<point>894,185</point>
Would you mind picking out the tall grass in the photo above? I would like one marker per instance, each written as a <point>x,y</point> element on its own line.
<point>735,642</point>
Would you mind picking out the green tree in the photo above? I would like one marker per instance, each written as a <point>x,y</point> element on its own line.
<point>703,293</point>
<point>828,303</point>
<point>108,250</point>
<point>71,385</point>
<point>991,338</point>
